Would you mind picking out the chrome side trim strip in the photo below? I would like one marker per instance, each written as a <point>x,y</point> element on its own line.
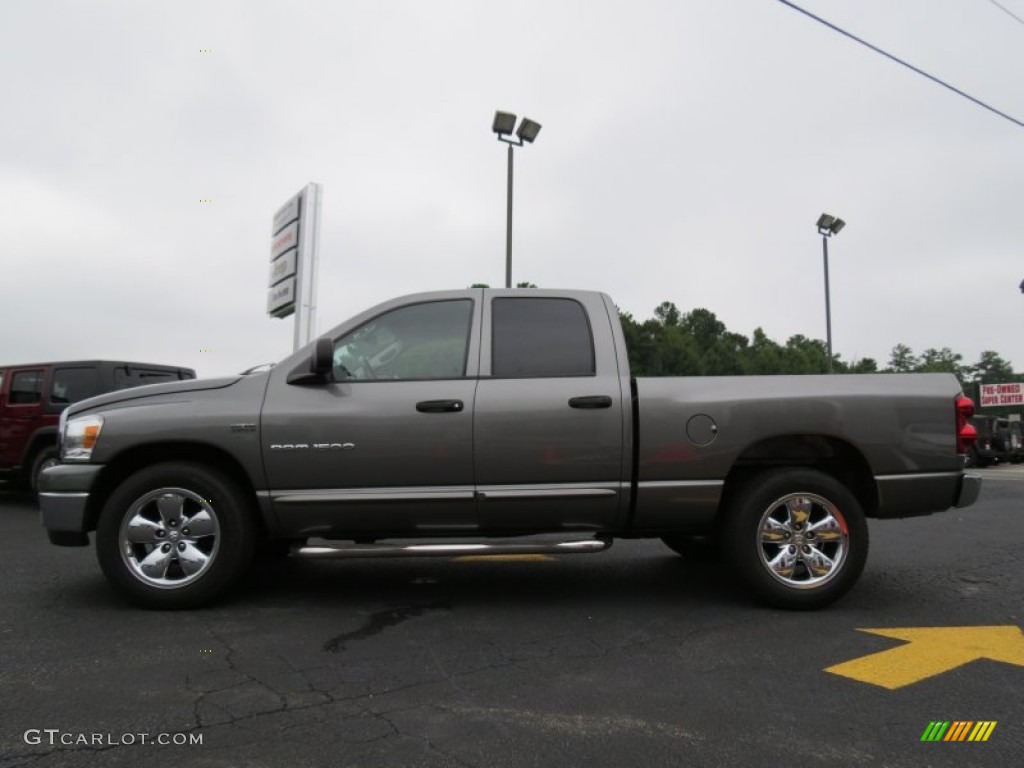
<point>369,496</point>
<point>918,476</point>
<point>451,550</point>
<point>547,493</point>
<point>60,495</point>
<point>681,483</point>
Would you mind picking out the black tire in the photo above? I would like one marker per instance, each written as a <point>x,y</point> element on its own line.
<point>161,501</point>
<point>694,547</point>
<point>822,538</point>
<point>45,458</point>
<point>971,458</point>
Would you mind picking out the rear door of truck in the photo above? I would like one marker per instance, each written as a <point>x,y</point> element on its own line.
<point>549,423</point>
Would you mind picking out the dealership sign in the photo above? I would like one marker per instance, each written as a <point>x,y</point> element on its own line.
<point>1002,394</point>
<point>284,251</point>
<point>294,236</point>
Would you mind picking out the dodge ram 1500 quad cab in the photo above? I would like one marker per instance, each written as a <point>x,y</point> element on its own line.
<point>469,421</point>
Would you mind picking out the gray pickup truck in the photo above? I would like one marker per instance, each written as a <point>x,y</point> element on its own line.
<point>483,421</point>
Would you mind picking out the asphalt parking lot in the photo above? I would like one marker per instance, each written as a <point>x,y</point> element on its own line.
<point>630,657</point>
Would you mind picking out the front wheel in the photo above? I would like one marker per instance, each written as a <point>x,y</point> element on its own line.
<point>45,459</point>
<point>175,535</point>
<point>797,537</point>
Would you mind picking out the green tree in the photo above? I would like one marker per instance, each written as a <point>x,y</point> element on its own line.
<point>697,343</point>
<point>992,369</point>
<point>942,360</point>
<point>804,355</point>
<point>702,324</point>
<point>763,356</point>
<point>864,365</point>
<point>677,353</point>
<point>667,313</point>
<point>641,344</point>
<point>902,360</point>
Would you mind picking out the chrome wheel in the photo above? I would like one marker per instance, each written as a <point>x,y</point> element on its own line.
<point>169,537</point>
<point>803,540</point>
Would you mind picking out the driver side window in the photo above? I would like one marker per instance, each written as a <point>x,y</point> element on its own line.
<point>421,341</point>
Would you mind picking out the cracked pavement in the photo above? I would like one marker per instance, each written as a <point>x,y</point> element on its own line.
<point>631,657</point>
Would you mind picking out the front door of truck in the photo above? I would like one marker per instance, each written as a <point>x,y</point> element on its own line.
<point>550,425</point>
<point>387,446</point>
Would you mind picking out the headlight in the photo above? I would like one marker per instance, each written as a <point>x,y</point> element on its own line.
<point>79,438</point>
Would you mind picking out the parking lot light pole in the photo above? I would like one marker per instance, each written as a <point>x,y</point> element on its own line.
<point>828,226</point>
<point>504,124</point>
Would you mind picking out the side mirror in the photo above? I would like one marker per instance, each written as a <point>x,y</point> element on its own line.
<point>321,364</point>
<point>322,360</point>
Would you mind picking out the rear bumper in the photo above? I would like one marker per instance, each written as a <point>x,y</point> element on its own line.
<point>924,493</point>
<point>64,502</point>
<point>970,487</point>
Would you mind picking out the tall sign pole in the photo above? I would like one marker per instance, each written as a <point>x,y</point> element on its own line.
<point>828,302</point>
<point>309,245</point>
<point>508,225</point>
<point>294,247</point>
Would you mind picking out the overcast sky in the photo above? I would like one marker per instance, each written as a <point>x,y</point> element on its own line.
<point>688,146</point>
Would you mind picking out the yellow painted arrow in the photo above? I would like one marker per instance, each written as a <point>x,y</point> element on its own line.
<point>931,651</point>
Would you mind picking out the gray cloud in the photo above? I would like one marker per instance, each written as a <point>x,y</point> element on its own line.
<point>687,149</point>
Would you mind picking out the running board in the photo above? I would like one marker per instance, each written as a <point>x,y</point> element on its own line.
<point>454,550</point>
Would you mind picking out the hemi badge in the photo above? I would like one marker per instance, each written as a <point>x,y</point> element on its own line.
<point>243,427</point>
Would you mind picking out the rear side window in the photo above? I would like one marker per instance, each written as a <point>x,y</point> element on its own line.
<point>26,387</point>
<point>73,384</point>
<point>540,337</point>
<point>124,378</point>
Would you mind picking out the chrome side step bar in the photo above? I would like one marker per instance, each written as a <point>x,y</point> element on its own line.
<point>453,550</point>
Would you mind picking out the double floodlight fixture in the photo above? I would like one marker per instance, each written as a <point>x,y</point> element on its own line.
<point>505,123</point>
<point>829,225</point>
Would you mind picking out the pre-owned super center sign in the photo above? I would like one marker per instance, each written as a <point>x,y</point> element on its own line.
<point>1002,394</point>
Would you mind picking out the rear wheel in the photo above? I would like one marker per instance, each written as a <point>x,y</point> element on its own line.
<point>797,537</point>
<point>175,535</point>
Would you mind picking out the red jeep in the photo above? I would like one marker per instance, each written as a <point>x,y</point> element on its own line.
<point>33,396</point>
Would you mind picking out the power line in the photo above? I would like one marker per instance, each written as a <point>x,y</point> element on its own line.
<point>898,60</point>
<point>1007,11</point>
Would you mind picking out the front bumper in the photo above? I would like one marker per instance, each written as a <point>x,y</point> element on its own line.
<point>970,487</point>
<point>64,500</point>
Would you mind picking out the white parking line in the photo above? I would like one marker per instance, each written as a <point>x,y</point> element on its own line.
<point>1008,472</point>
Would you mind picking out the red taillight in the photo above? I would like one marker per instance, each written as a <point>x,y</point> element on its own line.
<point>965,431</point>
